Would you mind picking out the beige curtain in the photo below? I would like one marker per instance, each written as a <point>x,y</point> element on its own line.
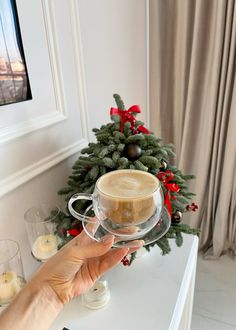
<point>193,105</point>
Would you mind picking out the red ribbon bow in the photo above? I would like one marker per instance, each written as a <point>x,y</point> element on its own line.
<point>126,116</point>
<point>165,177</point>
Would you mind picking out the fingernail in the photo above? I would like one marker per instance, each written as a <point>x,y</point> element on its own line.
<point>139,243</point>
<point>136,244</point>
<point>107,239</point>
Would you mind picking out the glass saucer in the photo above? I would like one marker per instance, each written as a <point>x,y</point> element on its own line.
<point>97,232</point>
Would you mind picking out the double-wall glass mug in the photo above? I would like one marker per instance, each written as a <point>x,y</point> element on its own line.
<point>126,203</point>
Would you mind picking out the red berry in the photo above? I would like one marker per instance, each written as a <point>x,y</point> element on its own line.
<point>125,261</point>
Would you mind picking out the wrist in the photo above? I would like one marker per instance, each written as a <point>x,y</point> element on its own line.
<point>35,308</point>
<point>46,294</point>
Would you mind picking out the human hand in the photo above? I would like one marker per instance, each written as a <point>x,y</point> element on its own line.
<point>75,268</point>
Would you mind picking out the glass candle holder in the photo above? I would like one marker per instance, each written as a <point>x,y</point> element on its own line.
<point>97,296</point>
<point>11,271</point>
<point>41,222</point>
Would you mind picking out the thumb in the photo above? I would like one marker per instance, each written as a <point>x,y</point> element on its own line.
<point>94,248</point>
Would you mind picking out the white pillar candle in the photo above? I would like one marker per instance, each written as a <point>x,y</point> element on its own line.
<point>10,285</point>
<point>45,247</point>
<point>98,296</point>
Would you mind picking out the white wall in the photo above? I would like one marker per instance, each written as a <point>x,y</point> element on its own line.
<point>36,163</point>
<point>114,44</point>
<point>43,188</point>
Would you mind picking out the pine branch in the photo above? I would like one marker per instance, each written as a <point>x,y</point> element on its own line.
<point>179,239</point>
<point>119,102</point>
<point>120,147</point>
<point>65,190</point>
<point>115,156</point>
<point>140,166</point>
<point>123,163</point>
<point>108,162</point>
<point>132,257</point>
<point>102,170</point>
<point>119,137</point>
<point>163,244</point>
<point>150,161</point>
<point>137,138</point>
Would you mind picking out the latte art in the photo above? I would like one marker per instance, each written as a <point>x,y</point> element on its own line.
<point>127,196</point>
<point>128,184</point>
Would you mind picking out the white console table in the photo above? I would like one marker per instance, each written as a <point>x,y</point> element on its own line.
<point>154,293</point>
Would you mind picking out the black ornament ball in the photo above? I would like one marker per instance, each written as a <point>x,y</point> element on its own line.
<point>176,217</point>
<point>163,166</point>
<point>132,151</point>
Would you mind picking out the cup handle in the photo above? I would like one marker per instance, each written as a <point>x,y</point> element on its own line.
<point>76,214</point>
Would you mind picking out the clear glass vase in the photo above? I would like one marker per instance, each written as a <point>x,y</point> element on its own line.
<point>12,277</point>
<point>41,222</point>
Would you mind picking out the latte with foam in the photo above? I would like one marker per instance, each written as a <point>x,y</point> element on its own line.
<point>127,196</point>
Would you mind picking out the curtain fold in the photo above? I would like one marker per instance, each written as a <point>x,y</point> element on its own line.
<point>193,105</point>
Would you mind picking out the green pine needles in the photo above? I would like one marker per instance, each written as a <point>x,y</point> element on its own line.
<point>109,153</point>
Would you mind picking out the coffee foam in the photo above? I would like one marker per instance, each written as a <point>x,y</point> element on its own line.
<point>123,184</point>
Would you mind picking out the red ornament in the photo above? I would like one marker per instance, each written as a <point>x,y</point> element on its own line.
<point>165,177</point>
<point>127,116</point>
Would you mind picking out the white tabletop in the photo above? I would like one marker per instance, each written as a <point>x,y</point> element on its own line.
<point>150,294</point>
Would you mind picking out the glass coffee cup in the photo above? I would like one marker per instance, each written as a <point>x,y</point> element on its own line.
<point>126,203</point>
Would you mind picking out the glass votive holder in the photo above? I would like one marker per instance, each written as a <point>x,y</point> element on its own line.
<point>11,271</point>
<point>41,223</point>
<point>97,296</point>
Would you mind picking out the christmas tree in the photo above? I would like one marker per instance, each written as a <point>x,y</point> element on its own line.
<point>125,143</point>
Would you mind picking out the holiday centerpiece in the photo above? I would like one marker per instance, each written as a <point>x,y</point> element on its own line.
<point>125,143</point>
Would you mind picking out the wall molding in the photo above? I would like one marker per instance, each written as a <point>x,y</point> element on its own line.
<point>20,177</point>
<point>79,66</point>
<point>59,113</point>
<point>31,125</point>
<point>49,23</point>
